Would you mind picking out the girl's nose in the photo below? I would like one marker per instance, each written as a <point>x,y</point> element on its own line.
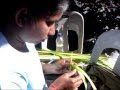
<point>52,30</point>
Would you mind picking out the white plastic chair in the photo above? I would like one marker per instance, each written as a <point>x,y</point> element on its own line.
<point>44,45</point>
<point>109,39</point>
<point>75,22</point>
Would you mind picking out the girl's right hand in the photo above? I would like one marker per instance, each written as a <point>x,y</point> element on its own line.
<point>67,81</point>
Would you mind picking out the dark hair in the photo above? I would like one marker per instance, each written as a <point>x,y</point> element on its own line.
<point>36,8</point>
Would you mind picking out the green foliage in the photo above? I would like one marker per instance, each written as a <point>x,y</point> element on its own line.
<point>76,57</point>
<point>83,76</point>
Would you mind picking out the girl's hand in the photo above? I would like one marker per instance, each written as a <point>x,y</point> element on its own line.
<point>61,66</point>
<point>67,82</point>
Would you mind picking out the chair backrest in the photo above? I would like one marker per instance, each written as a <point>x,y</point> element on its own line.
<point>44,45</point>
<point>109,39</point>
<point>75,22</point>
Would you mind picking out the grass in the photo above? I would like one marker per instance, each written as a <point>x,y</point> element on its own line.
<point>46,55</point>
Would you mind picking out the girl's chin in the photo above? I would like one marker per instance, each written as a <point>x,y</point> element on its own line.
<point>37,42</point>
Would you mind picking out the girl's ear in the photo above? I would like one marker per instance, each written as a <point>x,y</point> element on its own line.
<point>20,17</point>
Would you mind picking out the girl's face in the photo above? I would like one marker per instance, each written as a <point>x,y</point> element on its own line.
<point>38,31</point>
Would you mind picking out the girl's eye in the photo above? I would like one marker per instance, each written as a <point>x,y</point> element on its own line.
<point>49,23</point>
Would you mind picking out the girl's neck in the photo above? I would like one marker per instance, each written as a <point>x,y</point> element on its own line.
<point>14,40</point>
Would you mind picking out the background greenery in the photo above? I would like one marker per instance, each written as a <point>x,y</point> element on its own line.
<point>99,16</point>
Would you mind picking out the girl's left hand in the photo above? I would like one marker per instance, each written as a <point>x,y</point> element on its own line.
<point>61,66</point>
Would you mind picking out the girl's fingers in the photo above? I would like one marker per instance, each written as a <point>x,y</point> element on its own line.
<point>71,73</point>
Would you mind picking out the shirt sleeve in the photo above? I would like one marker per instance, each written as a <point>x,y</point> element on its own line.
<point>13,81</point>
